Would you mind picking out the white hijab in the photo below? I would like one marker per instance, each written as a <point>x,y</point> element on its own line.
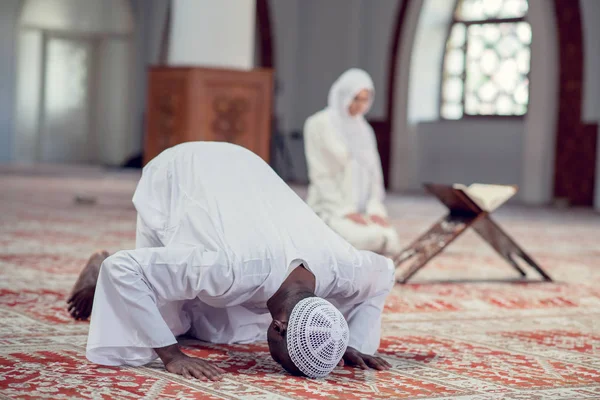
<point>355,131</point>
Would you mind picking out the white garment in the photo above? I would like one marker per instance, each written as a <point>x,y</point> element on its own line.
<point>343,164</point>
<point>372,237</point>
<point>218,232</point>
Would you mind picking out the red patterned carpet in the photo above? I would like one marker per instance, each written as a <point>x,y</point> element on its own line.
<point>445,341</point>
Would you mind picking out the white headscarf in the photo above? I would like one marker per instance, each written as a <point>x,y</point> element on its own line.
<point>355,131</point>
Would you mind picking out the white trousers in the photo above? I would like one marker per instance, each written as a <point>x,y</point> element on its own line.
<point>372,237</point>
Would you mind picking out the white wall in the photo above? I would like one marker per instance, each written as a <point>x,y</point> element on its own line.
<point>590,10</point>
<point>404,172</point>
<point>150,22</point>
<point>526,145</point>
<point>426,60</point>
<point>537,181</point>
<point>28,105</point>
<point>590,15</point>
<point>82,16</point>
<point>9,17</point>
<point>213,33</point>
<point>315,41</point>
<point>467,151</point>
<point>284,25</point>
<point>114,102</point>
<point>109,33</point>
<point>377,22</point>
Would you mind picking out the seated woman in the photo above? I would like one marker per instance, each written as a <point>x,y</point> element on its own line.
<point>346,181</point>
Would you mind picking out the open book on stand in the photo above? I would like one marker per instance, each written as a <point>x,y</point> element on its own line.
<point>487,197</point>
<point>468,207</point>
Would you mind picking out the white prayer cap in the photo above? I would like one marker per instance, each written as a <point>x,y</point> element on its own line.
<point>317,336</point>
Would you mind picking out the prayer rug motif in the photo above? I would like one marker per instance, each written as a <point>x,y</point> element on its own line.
<point>465,341</point>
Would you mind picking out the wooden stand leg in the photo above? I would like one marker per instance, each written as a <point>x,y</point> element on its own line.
<point>464,212</point>
<point>433,242</point>
<point>505,245</point>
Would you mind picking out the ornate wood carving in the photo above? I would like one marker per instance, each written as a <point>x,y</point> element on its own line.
<point>191,104</point>
<point>166,100</point>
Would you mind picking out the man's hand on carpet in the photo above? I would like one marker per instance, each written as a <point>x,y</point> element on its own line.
<point>178,363</point>
<point>357,218</point>
<point>380,220</point>
<point>191,367</point>
<point>354,357</point>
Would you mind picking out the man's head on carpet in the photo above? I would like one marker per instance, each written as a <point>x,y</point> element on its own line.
<point>311,336</point>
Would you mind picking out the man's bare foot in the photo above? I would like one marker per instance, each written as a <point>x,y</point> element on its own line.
<point>82,295</point>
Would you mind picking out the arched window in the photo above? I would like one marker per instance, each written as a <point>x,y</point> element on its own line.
<point>487,60</point>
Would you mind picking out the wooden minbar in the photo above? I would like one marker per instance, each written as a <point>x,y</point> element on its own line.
<point>206,104</point>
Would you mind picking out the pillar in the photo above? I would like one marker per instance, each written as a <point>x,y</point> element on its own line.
<point>212,33</point>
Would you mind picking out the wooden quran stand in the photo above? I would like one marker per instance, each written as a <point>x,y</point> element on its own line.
<point>465,210</point>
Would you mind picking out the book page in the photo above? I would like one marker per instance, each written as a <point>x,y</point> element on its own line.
<point>489,197</point>
<point>465,189</point>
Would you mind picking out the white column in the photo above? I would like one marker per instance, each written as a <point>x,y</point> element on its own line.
<point>404,173</point>
<point>114,102</point>
<point>212,33</point>
<point>540,123</point>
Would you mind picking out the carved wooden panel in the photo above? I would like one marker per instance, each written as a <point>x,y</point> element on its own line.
<point>238,110</point>
<point>166,112</point>
<point>230,119</point>
<point>210,105</point>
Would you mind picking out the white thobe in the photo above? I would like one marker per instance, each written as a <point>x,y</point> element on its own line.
<point>218,232</point>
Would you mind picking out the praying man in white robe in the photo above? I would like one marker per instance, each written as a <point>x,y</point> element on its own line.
<point>346,182</point>
<point>226,252</point>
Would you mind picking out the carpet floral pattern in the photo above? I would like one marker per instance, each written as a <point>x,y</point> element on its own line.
<point>460,340</point>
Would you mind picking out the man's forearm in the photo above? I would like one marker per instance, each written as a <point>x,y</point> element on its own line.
<point>169,353</point>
